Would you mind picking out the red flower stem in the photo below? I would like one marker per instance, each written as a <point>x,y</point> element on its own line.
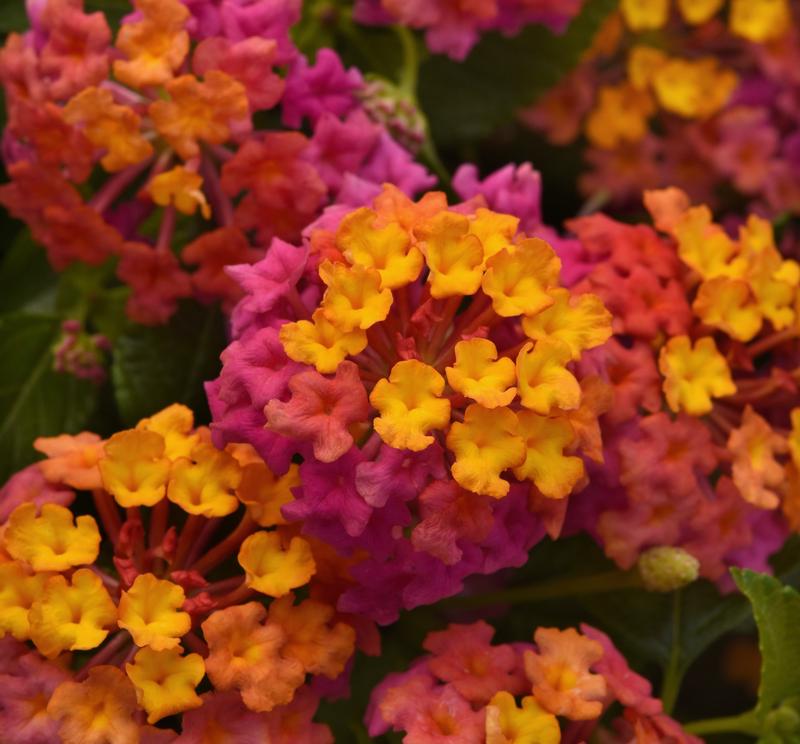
<point>103,199</point>
<point>109,581</point>
<point>195,644</point>
<point>721,421</point>
<point>293,296</point>
<point>401,300</point>
<point>159,516</point>
<point>380,343</point>
<point>447,354</point>
<point>221,205</point>
<point>123,95</point>
<point>167,229</point>
<point>769,342</point>
<point>451,306</point>
<point>224,585</point>
<point>229,545</point>
<point>221,153</point>
<point>202,540</point>
<point>108,513</point>
<point>194,524</point>
<point>237,596</point>
<point>105,654</point>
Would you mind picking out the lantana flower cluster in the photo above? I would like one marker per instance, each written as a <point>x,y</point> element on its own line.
<point>467,689</point>
<point>701,440</point>
<point>179,599</point>
<point>420,363</point>
<point>146,148</point>
<point>453,28</point>
<point>697,95</point>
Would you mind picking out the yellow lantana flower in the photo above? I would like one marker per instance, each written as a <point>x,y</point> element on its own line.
<point>494,230</point>
<point>484,445</point>
<point>699,11</point>
<point>760,20</point>
<point>135,470</point>
<point>165,681</point>
<point>552,472</point>
<point>517,280</point>
<point>581,322</point>
<point>453,254</point>
<point>354,297</point>
<point>695,89</point>
<point>387,249</point>
<point>206,484</point>
<point>409,405</point>
<point>20,587</point>
<point>175,423</point>
<point>619,116</point>
<point>728,304</point>
<point>543,380</point>
<point>694,375</point>
<point>321,342</point>
<point>480,375</point>
<point>149,611</point>
<point>794,437</point>
<point>72,616</point>
<point>51,541</point>
<point>643,15</point>
<point>530,724</point>
<point>643,63</point>
<point>181,188</point>
<point>264,494</point>
<point>273,570</point>
<point>705,246</point>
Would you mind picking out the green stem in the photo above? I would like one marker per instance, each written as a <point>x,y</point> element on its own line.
<point>409,74</point>
<point>673,674</point>
<point>609,581</point>
<point>745,723</point>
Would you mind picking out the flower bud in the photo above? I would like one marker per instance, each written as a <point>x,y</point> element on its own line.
<point>387,105</point>
<point>665,568</point>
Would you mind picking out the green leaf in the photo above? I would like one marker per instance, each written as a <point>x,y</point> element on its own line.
<point>154,367</point>
<point>13,17</point>
<point>465,101</point>
<point>26,280</point>
<point>35,400</point>
<point>777,612</point>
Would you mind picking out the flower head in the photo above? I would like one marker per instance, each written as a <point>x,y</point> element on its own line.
<point>272,569</point>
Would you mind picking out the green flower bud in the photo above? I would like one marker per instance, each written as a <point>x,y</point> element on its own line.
<point>665,569</point>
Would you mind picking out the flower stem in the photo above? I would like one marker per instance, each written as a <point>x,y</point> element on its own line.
<point>229,545</point>
<point>609,581</point>
<point>744,723</point>
<point>673,674</point>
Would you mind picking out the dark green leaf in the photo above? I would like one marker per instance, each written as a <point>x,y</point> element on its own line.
<point>26,280</point>
<point>34,399</point>
<point>153,367</point>
<point>466,101</point>
<point>13,17</point>
<point>777,612</point>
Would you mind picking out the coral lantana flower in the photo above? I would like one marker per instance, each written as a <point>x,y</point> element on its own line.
<point>559,673</point>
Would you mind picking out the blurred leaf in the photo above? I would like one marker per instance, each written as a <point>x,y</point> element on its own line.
<point>465,101</point>
<point>13,17</point>
<point>34,399</point>
<point>777,612</point>
<point>26,280</point>
<point>153,367</point>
